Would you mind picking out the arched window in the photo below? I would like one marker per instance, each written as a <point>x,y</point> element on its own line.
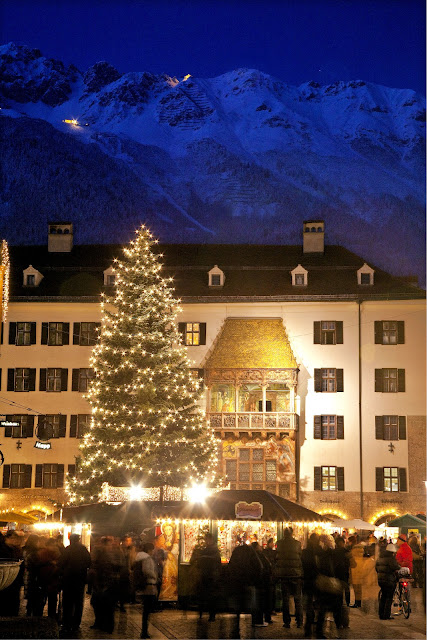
<point>313,229</point>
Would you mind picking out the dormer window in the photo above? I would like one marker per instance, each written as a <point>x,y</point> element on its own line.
<point>31,277</point>
<point>365,275</point>
<point>109,277</point>
<point>216,277</point>
<point>299,276</point>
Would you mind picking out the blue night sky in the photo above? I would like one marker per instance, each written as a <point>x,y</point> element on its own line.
<point>325,40</point>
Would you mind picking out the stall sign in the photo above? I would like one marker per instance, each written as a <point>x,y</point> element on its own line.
<point>413,532</point>
<point>248,510</point>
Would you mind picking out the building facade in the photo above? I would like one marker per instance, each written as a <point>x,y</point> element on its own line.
<point>312,361</point>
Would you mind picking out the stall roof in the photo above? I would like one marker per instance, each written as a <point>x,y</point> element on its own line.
<point>222,506</point>
<point>407,521</point>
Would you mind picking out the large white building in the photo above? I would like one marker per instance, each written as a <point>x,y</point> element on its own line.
<point>313,362</point>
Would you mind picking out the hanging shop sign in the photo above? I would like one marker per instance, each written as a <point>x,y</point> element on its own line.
<point>1,458</point>
<point>42,445</point>
<point>10,423</point>
<point>248,510</point>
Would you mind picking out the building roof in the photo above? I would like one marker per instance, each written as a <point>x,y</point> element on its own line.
<point>238,345</point>
<point>252,272</point>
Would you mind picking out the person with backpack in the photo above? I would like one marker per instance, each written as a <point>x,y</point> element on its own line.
<point>145,582</point>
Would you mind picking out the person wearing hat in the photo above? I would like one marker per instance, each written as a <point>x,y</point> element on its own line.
<point>386,567</point>
<point>404,552</point>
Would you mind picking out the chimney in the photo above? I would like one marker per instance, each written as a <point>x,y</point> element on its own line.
<point>60,237</point>
<point>313,236</point>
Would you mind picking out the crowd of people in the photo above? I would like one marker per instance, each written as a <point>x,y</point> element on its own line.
<point>320,578</point>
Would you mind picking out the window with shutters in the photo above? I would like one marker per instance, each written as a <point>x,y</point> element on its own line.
<point>390,380</point>
<point>390,428</point>
<point>23,333</point>
<point>329,380</point>
<point>55,334</point>
<point>391,479</point>
<point>22,379</point>
<point>85,376</point>
<point>389,332</point>
<point>17,476</point>
<point>192,333</point>
<point>23,430</point>
<point>53,379</point>
<point>88,333</point>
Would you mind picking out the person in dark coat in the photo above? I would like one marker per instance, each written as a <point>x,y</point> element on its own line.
<point>289,570</point>
<point>245,577</point>
<point>342,572</point>
<point>327,601</point>
<point>107,562</point>
<point>73,568</point>
<point>10,547</point>
<point>386,567</point>
<point>147,588</point>
<point>310,570</point>
<point>271,554</point>
<point>48,575</point>
<point>209,568</point>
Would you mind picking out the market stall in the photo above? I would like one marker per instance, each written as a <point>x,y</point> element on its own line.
<point>233,517</point>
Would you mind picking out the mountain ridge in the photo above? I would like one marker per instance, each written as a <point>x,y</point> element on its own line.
<point>241,156</point>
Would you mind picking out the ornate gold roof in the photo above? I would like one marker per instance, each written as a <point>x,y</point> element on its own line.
<point>246,343</point>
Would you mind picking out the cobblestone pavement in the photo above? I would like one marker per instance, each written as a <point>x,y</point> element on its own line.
<point>177,624</point>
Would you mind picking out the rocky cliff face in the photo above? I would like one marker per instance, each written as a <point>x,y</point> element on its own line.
<point>242,155</point>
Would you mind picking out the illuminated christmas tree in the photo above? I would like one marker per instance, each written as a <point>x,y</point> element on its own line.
<point>147,428</point>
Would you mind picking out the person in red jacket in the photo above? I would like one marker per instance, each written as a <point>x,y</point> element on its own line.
<point>404,552</point>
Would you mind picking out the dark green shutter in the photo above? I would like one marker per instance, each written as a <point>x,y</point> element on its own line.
<point>43,380</point>
<point>379,479</point>
<point>340,478</point>
<point>71,470</point>
<point>339,332</point>
<point>65,333</point>
<point>181,329</point>
<point>340,379</point>
<point>73,426</point>
<point>33,338</point>
<point>378,331</point>
<point>340,427</point>
<point>11,379</point>
<point>64,379</point>
<point>317,427</point>
<point>401,332</point>
<point>62,425</point>
<point>379,427</point>
<point>2,331</point>
<point>29,429</point>
<point>38,481</point>
<point>401,379</point>
<point>6,476</point>
<point>202,336</point>
<point>45,332</point>
<point>379,380</point>
<point>316,332</point>
<point>41,428</point>
<point>75,380</point>
<point>8,430</point>
<point>402,427</point>
<point>60,475</point>
<point>12,332</point>
<point>76,333</point>
<point>403,485</point>
<point>32,380</point>
<point>317,478</point>
<point>27,478</point>
<point>318,379</point>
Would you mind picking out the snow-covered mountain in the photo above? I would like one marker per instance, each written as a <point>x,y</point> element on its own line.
<point>241,157</point>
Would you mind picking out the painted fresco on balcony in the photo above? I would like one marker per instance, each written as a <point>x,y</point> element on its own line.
<point>258,460</point>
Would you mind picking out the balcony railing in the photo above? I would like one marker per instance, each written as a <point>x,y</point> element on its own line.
<point>270,421</point>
